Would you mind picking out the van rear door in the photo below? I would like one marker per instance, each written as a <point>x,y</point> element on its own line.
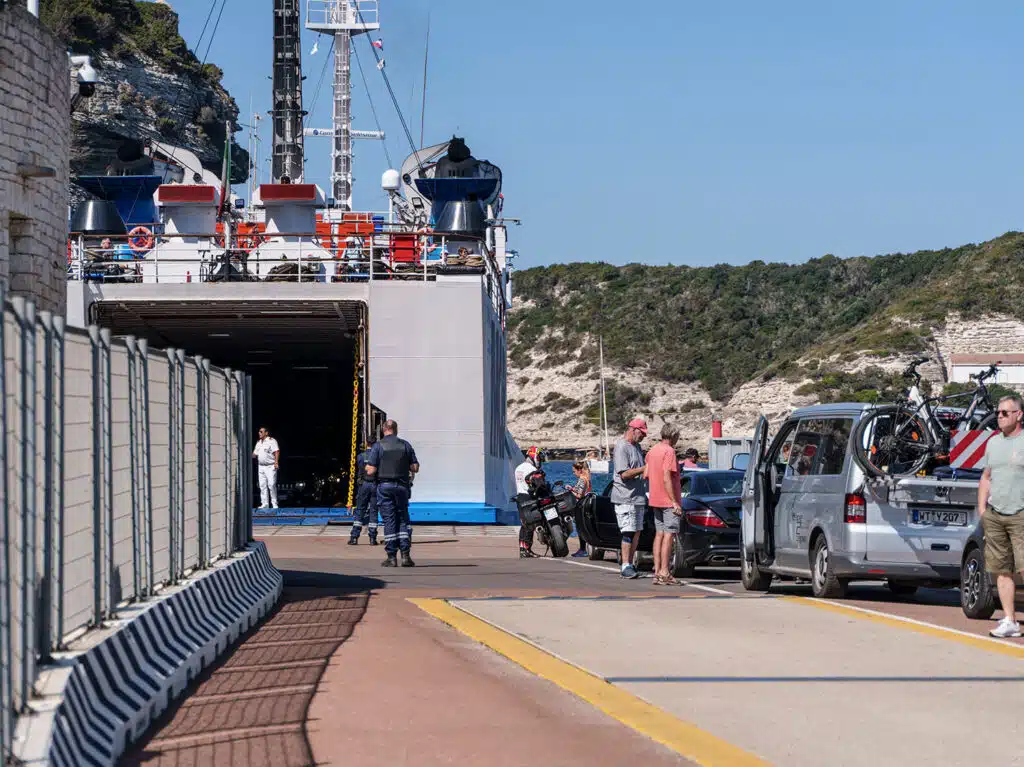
<point>920,520</point>
<point>756,517</point>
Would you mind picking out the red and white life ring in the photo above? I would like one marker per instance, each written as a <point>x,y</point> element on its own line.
<point>140,240</point>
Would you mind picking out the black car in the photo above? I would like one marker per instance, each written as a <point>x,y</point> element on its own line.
<point>709,532</point>
<point>978,596</point>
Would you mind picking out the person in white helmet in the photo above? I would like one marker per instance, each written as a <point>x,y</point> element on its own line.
<point>268,458</point>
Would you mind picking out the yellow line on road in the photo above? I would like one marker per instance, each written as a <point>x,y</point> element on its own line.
<point>1010,648</point>
<point>682,737</point>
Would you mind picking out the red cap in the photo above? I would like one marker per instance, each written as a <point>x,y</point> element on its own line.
<point>639,423</point>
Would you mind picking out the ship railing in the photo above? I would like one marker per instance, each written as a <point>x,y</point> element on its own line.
<point>326,15</point>
<point>280,257</point>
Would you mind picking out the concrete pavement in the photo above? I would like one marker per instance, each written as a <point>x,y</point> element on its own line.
<point>351,671</point>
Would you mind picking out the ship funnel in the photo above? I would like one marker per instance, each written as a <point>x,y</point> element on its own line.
<point>459,188</point>
<point>97,217</point>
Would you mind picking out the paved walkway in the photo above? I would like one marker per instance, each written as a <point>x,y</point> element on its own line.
<point>360,666</point>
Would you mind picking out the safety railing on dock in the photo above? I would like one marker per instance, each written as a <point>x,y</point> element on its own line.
<point>122,469</point>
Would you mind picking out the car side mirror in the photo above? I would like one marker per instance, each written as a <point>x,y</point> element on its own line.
<point>740,461</point>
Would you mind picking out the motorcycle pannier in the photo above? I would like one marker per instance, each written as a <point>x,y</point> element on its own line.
<point>529,511</point>
<point>566,503</point>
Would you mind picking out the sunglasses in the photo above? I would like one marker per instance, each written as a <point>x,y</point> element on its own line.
<point>1006,413</point>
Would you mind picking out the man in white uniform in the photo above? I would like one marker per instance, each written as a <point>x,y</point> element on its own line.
<point>268,456</point>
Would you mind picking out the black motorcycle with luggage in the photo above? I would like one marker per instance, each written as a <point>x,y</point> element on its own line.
<point>548,511</point>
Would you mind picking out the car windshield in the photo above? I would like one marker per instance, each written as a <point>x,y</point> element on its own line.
<point>717,484</point>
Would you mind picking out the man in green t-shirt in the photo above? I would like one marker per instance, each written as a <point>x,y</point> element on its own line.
<point>1001,505</point>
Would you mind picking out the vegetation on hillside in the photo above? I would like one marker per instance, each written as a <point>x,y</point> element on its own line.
<point>119,26</point>
<point>725,325</point>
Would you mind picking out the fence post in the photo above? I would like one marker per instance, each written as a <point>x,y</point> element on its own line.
<point>147,480</point>
<point>45,638</point>
<point>208,462</point>
<point>247,531</point>
<point>172,458</point>
<point>228,463</point>
<point>6,653</point>
<point>108,465</point>
<point>133,456</point>
<point>201,444</point>
<point>97,479</point>
<point>58,341</point>
<point>24,311</point>
<point>180,458</point>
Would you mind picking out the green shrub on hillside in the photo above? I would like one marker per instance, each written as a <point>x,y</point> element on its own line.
<point>725,325</point>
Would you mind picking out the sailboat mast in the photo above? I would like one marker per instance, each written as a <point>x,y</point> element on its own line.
<point>604,403</point>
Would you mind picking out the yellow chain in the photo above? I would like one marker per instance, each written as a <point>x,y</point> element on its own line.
<point>355,427</point>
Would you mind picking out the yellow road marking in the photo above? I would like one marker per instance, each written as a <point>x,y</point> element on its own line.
<point>1012,649</point>
<point>683,738</point>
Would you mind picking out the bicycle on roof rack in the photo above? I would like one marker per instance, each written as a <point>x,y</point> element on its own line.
<point>899,439</point>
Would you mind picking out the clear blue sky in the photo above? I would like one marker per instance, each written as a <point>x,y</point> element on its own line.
<point>685,132</point>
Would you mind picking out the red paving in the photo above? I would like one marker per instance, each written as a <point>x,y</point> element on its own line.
<point>252,708</point>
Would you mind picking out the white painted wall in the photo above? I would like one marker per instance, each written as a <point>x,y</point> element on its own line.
<point>427,371</point>
<point>1008,375</point>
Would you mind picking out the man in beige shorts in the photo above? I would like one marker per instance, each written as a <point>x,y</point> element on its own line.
<point>1001,505</point>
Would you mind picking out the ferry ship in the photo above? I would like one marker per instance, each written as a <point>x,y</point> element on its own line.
<point>341,318</point>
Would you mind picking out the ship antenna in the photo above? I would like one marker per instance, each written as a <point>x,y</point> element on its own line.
<point>426,55</point>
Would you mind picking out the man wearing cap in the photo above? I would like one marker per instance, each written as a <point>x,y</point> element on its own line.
<point>628,492</point>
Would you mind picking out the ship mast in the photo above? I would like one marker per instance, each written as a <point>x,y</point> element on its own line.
<point>287,82</point>
<point>345,19</point>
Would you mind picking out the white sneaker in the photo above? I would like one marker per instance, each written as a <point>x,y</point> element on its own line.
<point>1005,629</point>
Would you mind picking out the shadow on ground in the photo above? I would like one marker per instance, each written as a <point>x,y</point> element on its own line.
<point>251,707</point>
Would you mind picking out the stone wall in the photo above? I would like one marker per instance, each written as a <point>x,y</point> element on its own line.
<point>35,107</point>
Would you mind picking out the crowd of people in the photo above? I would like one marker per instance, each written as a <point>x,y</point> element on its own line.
<point>643,485</point>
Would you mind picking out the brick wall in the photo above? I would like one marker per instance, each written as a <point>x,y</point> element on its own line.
<point>35,123</point>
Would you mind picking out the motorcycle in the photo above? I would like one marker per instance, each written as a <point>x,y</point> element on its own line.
<point>548,511</point>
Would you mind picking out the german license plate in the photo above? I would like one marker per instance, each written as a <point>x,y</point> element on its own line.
<point>928,517</point>
<point>552,514</point>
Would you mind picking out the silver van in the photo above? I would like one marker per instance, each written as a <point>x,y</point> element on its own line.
<point>810,512</point>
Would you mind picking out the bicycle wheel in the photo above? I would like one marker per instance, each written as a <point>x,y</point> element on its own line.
<point>988,422</point>
<point>892,441</point>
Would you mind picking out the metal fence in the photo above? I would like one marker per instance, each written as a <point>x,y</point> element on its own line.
<point>122,469</point>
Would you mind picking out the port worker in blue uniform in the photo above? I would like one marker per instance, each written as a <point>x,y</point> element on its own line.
<point>392,462</point>
<point>366,501</point>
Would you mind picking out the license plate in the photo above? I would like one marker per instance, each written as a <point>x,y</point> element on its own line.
<point>551,514</point>
<point>921,517</point>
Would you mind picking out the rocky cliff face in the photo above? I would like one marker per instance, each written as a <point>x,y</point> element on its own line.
<point>547,403</point>
<point>137,99</point>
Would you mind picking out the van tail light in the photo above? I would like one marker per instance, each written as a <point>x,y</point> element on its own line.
<point>856,509</point>
<point>704,518</point>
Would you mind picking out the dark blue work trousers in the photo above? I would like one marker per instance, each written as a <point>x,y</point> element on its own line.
<point>393,505</point>
<point>366,510</point>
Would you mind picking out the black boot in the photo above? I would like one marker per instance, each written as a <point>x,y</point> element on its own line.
<point>525,553</point>
<point>353,541</point>
<point>373,540</point>
<point>390,561</point>
<point>407,560</point>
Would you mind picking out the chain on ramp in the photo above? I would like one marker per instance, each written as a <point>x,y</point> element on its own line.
<point>355,424</point>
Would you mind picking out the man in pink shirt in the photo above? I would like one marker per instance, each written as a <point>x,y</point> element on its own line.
<point>665,500</point>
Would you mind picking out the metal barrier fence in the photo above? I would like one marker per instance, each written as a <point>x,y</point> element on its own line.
<point>122,469</point>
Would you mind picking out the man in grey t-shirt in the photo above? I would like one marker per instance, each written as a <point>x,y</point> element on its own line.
<point>629,491</point>
<point>1001,506</point>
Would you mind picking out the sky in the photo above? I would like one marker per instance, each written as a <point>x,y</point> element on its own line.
<point>685,131</point>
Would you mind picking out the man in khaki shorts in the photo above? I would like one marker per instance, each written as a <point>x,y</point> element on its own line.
<point>1001,505</point>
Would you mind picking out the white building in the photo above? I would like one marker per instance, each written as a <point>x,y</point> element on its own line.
<point>1011,367</point>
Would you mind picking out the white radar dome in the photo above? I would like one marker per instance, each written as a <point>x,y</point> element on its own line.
<point>391,181</point>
